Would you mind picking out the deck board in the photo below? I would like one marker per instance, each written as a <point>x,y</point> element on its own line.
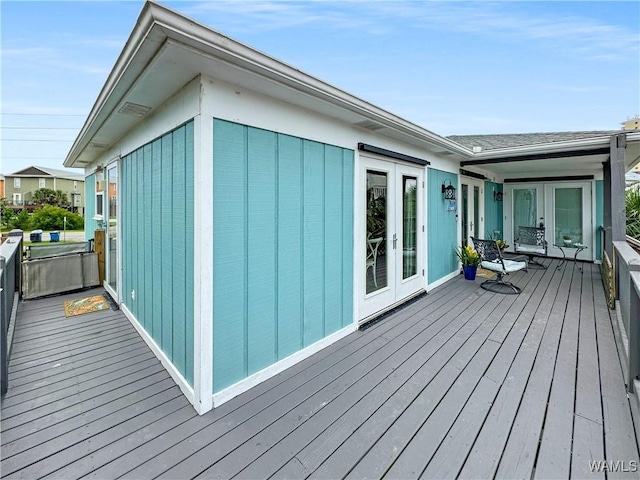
<point>462,381</point>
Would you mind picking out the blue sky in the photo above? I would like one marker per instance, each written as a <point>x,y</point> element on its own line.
<point>452,67</point>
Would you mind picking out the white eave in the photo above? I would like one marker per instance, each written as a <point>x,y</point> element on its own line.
<point>162,35</point>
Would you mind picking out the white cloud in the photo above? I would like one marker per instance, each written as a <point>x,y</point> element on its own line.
<point>573,34</point>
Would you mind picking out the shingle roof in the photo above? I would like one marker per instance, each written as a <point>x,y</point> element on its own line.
<point>35,170</point>
<point>494,142</point>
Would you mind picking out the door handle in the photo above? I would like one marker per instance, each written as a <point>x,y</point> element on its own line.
<point>395,241</point>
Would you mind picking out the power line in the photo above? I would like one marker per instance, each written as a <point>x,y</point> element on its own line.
<point>33,158</point>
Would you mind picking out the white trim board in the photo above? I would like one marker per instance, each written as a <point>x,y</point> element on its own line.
<point>272,370</point>
<point>164,360</point>
<point>443,280</point>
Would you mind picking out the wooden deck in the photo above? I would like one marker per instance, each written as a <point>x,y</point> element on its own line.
<point>461,383</point>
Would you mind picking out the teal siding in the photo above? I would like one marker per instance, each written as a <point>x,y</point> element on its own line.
<point>90,225</point>
<point>441,227</point>
<point>493,212</point>
<point>283,241</point>
<point>599,193</point>
<point>157,251</point>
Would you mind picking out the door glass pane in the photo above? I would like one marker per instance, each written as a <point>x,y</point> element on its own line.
<point>465,214</point>
<point>524,208</point>
<point>113,227</point>
<point>409,226</point>
<point>568,215</point>
<point>376,248</point>
<point>476,211</point>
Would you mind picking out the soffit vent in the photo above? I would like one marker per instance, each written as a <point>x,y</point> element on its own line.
<point>134,109</point>
<point>369,125</point>
<point>98,145</point>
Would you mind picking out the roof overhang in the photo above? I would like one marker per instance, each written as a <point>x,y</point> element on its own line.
<point>166,51</point>
<point>587,155</point>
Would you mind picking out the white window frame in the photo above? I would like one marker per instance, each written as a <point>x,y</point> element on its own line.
<point>99,205</point>
<point>16,182</point>
<point>42,183</point>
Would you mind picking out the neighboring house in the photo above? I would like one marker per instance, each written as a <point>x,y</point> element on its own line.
<point>20,187</point>
<point>256,214</point>
<point>1,186</point>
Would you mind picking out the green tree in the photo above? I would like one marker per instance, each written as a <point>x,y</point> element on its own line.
<point>51,217</point>
<point>47,196</point>
<point>632,207</point>
<point>22,220</point>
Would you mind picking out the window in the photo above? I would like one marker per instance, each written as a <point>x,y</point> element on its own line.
<point>16,183</point>
<point>99,195</point>
<point>41,183</point>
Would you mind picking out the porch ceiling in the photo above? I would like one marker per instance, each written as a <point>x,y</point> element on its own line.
<point>589,164</point>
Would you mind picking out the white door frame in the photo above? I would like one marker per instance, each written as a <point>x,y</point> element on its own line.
<point>587,218</point>
<point>472,207</point>
<point>397,288</point>
<point>114,293</point>
<point>510,230</point>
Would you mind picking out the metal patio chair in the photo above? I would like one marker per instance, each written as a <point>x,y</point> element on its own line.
<point>491,259</point>
<point>531,241</point>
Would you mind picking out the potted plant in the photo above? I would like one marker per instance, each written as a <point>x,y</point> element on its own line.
<point>470,261</point>
<point>566,239</point>
<point>502,245</point>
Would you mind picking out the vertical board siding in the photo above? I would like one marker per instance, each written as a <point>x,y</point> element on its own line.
<point>157,251</point>
<point>229,252</point>
<point>289,245</point>
<point>261,249</point>
<point>283,241</point>
<point>492,211</point>
<point>313,234</point>
<point>442,227</point>
<point>90,224</point>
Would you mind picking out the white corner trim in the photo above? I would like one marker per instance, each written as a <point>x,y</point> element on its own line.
<point>272,370</point>
<point>442,280</point>
<point>203,263</point>
<point>166,363</point>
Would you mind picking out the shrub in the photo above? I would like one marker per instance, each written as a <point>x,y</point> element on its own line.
<point>52,218</point>
<point>21,221</point>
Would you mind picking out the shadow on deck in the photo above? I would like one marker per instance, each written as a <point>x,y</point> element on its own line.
<point>463,382</point>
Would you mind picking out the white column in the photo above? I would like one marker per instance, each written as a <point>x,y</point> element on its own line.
<point>203,263</point>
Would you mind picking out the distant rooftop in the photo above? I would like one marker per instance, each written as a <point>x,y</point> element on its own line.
<point>510,140</point>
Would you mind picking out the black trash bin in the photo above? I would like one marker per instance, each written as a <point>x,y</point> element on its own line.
<point>36,236</point>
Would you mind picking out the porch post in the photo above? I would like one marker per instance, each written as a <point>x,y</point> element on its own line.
<point>618,220</point>
<point>607,244</point>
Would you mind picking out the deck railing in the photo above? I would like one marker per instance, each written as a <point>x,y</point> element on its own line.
<point>10,271</point>
<point>627,275</point>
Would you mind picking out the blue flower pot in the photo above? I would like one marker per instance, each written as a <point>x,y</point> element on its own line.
<point>469,272</point>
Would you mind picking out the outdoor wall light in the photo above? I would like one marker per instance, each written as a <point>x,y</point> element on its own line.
<point>497,196</point>
<point>448,191</point>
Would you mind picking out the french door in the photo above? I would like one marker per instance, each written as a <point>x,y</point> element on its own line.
<point>471,208</point>
<point>391,237</point>
<point>569,215</point>
<point>523,207</point>
<point>111,247</point>
<point>563,208</point>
